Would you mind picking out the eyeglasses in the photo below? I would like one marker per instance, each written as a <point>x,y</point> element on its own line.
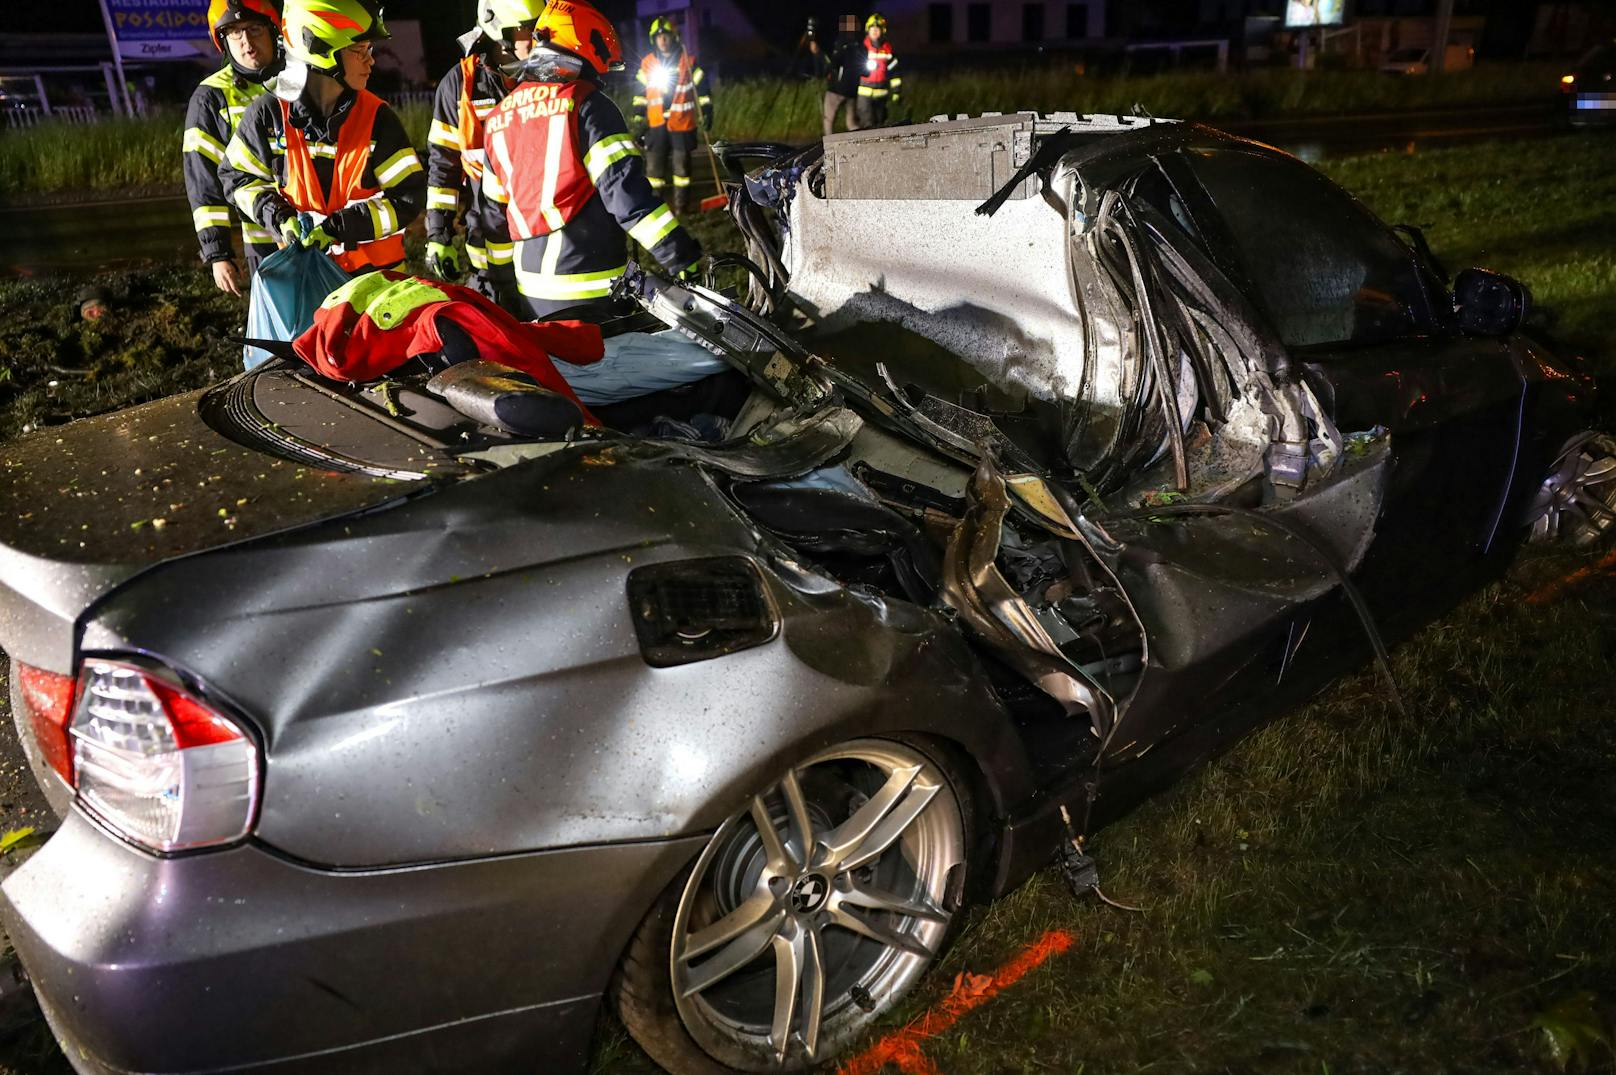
<point>361,51</point>
<point>244,32</point>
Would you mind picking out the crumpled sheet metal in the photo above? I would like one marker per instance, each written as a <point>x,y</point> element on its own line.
<point>974,587</point>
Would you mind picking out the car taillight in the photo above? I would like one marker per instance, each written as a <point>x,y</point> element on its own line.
<point>157,764</point>
<point>47,700</point>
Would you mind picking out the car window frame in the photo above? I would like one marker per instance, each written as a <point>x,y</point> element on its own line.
<point>1214,224</point>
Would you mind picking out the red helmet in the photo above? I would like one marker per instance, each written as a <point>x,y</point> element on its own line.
<point>575,27</point>
<point>223,14</point>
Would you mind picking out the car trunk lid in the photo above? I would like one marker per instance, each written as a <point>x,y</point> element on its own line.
<point>87,506</point>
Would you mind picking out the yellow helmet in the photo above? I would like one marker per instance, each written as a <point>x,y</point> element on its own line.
<point>875,19</point>
<point>663,25</point>
<point>316,30</point>
<point>499,19</point>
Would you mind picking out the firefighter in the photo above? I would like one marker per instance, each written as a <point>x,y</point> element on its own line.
<point>454,155</point>
<point>247,33</point>
<point>325,149</point>
<point>878,86</point>
<point>670,93</point>
<point>564,180</point>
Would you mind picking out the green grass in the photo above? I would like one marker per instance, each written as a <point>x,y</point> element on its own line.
<point>1352,889</point>
<point>120,155</point>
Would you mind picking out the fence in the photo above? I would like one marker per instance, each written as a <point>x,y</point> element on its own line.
<point>19,118</point>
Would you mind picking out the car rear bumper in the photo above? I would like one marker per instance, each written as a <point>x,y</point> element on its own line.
<point>239,960</point>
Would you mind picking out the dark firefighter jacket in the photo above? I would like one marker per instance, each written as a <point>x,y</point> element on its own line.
<point>454,152</point>
<point>216,108</point>
<point>563,226</point>
<point>379,320</point>
<point>255,172</point>
<point>848,62</point>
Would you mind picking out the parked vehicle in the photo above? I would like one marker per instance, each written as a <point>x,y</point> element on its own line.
<point>1417,60</point>
<point>1590,90</point>
<point>387,739</point>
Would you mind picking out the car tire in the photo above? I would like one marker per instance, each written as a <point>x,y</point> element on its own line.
<point>1576,505</point>
<point>898,817</point>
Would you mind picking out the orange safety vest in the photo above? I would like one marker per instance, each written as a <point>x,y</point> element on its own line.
<point>472,158</point>
<point>533,126</point>
<point>302,187</point>
<point>677,88</point>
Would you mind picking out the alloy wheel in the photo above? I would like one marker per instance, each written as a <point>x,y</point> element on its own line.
<point>1576,504</point>
<point>817,906</point>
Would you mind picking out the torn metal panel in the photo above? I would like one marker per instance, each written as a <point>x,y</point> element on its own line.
<point>974,587</point>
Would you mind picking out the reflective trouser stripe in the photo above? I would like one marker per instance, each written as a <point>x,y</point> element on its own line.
<point>681,181</point>
<point>477,255</point>
<point>442,198</point>
<point>654,227</point>
<point>657,182</point>
<point>872,91</point>
<point>210,216</point>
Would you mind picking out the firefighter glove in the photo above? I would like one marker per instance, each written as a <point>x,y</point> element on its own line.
<point>444,262</point>
<point>319,239</point>
<point>291,232</point>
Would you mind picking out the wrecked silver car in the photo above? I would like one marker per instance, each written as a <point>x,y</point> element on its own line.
<point>1070,449</point>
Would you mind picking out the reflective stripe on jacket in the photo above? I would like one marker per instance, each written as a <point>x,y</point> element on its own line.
<point>303,191</point>
<point>565,185</point>
<point>467,95</point>
<point>670,92</point>
<point>377,321</point>
<point>215,109</point>
<point>256,171</point>
<point>878,79</point>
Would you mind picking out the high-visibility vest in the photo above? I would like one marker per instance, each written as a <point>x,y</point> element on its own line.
<point>534,143</point>
<point>670,91</point>
<point>471,122</point>
<point>302,188</point>
<point>877,61</point>
<point>377,321</point>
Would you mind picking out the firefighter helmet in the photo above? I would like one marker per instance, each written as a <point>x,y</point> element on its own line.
<point>223,14</point>
<point>875,19</point>
<point>577,29</point>
<point>500,19</point>
<point>316,30</point>
<point>664,25</point>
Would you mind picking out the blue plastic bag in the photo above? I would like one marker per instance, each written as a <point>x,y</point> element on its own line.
<point>287,289</point>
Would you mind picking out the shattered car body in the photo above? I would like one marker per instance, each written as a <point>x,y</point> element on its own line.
<point>1036,451</point>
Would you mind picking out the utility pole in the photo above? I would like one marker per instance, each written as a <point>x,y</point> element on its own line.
<point>117,62</point>
<point>1439,47</point>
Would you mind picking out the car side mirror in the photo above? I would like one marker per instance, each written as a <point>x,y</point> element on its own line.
<point>1489,303</point>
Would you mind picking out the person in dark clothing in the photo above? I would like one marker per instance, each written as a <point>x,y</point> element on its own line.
<point>324,148</point>
<point>247,34</point>
<point>846,67</point>
<point>565,182</point>
<point>465,98</point>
